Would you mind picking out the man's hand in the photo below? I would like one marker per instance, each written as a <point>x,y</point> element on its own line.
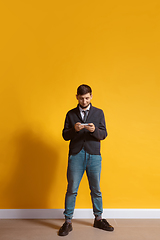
<point>90,127</point>
<point>78,126</point>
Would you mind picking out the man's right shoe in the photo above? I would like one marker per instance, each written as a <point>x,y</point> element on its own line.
<point>103,224</point>
<point>65,229</point>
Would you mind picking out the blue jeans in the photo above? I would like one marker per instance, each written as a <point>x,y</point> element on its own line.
<point>77,165</point>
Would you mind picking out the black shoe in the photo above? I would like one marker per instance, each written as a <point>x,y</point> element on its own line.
<point>65,229</point>
<point>103,224</point>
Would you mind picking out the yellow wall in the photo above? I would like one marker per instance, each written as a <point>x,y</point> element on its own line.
<point>47,49</point>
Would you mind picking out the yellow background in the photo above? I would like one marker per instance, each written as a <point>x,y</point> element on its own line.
<point>47,49</point>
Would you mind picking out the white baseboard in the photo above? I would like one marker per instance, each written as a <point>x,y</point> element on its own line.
<point>79,213</point>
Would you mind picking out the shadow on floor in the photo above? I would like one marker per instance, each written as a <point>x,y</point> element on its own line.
<point>47,223</point>
<point>83,222</point>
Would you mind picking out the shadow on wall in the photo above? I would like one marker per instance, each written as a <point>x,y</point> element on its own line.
<point>34,174</point>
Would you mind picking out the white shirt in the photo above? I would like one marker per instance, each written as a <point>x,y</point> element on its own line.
<point>81,111</point>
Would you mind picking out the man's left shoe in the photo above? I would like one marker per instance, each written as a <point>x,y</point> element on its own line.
<point>103,224</point>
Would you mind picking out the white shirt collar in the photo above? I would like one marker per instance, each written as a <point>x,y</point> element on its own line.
<point>81,109</point>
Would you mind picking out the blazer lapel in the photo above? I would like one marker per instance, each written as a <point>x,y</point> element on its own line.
<point>78,113</point>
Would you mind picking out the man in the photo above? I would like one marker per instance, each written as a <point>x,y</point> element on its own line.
<point>85,127</point>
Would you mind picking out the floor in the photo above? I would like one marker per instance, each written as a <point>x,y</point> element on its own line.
<point>125,229</point>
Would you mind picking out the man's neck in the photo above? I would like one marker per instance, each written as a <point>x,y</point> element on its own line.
<point>84,109</point>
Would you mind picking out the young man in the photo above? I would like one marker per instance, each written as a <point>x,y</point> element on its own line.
<point>85,127</point>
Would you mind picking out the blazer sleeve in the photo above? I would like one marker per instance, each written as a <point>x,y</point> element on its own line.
<point>100,132</point>
<point>68,131</point>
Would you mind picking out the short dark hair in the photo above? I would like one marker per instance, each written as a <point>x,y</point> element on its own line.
<point>84,89</point>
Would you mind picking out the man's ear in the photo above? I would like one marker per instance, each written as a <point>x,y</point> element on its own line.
<point>91,96</point>
<point>77,97</point>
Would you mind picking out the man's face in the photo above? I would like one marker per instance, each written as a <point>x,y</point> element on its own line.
<point>84,100</point>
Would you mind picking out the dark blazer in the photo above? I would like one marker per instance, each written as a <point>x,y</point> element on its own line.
<point>84,138</point>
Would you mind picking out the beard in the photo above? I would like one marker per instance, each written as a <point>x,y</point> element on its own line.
<point>83,106</point>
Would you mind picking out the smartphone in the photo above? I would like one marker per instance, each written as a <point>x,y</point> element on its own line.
<point>84,124</point>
